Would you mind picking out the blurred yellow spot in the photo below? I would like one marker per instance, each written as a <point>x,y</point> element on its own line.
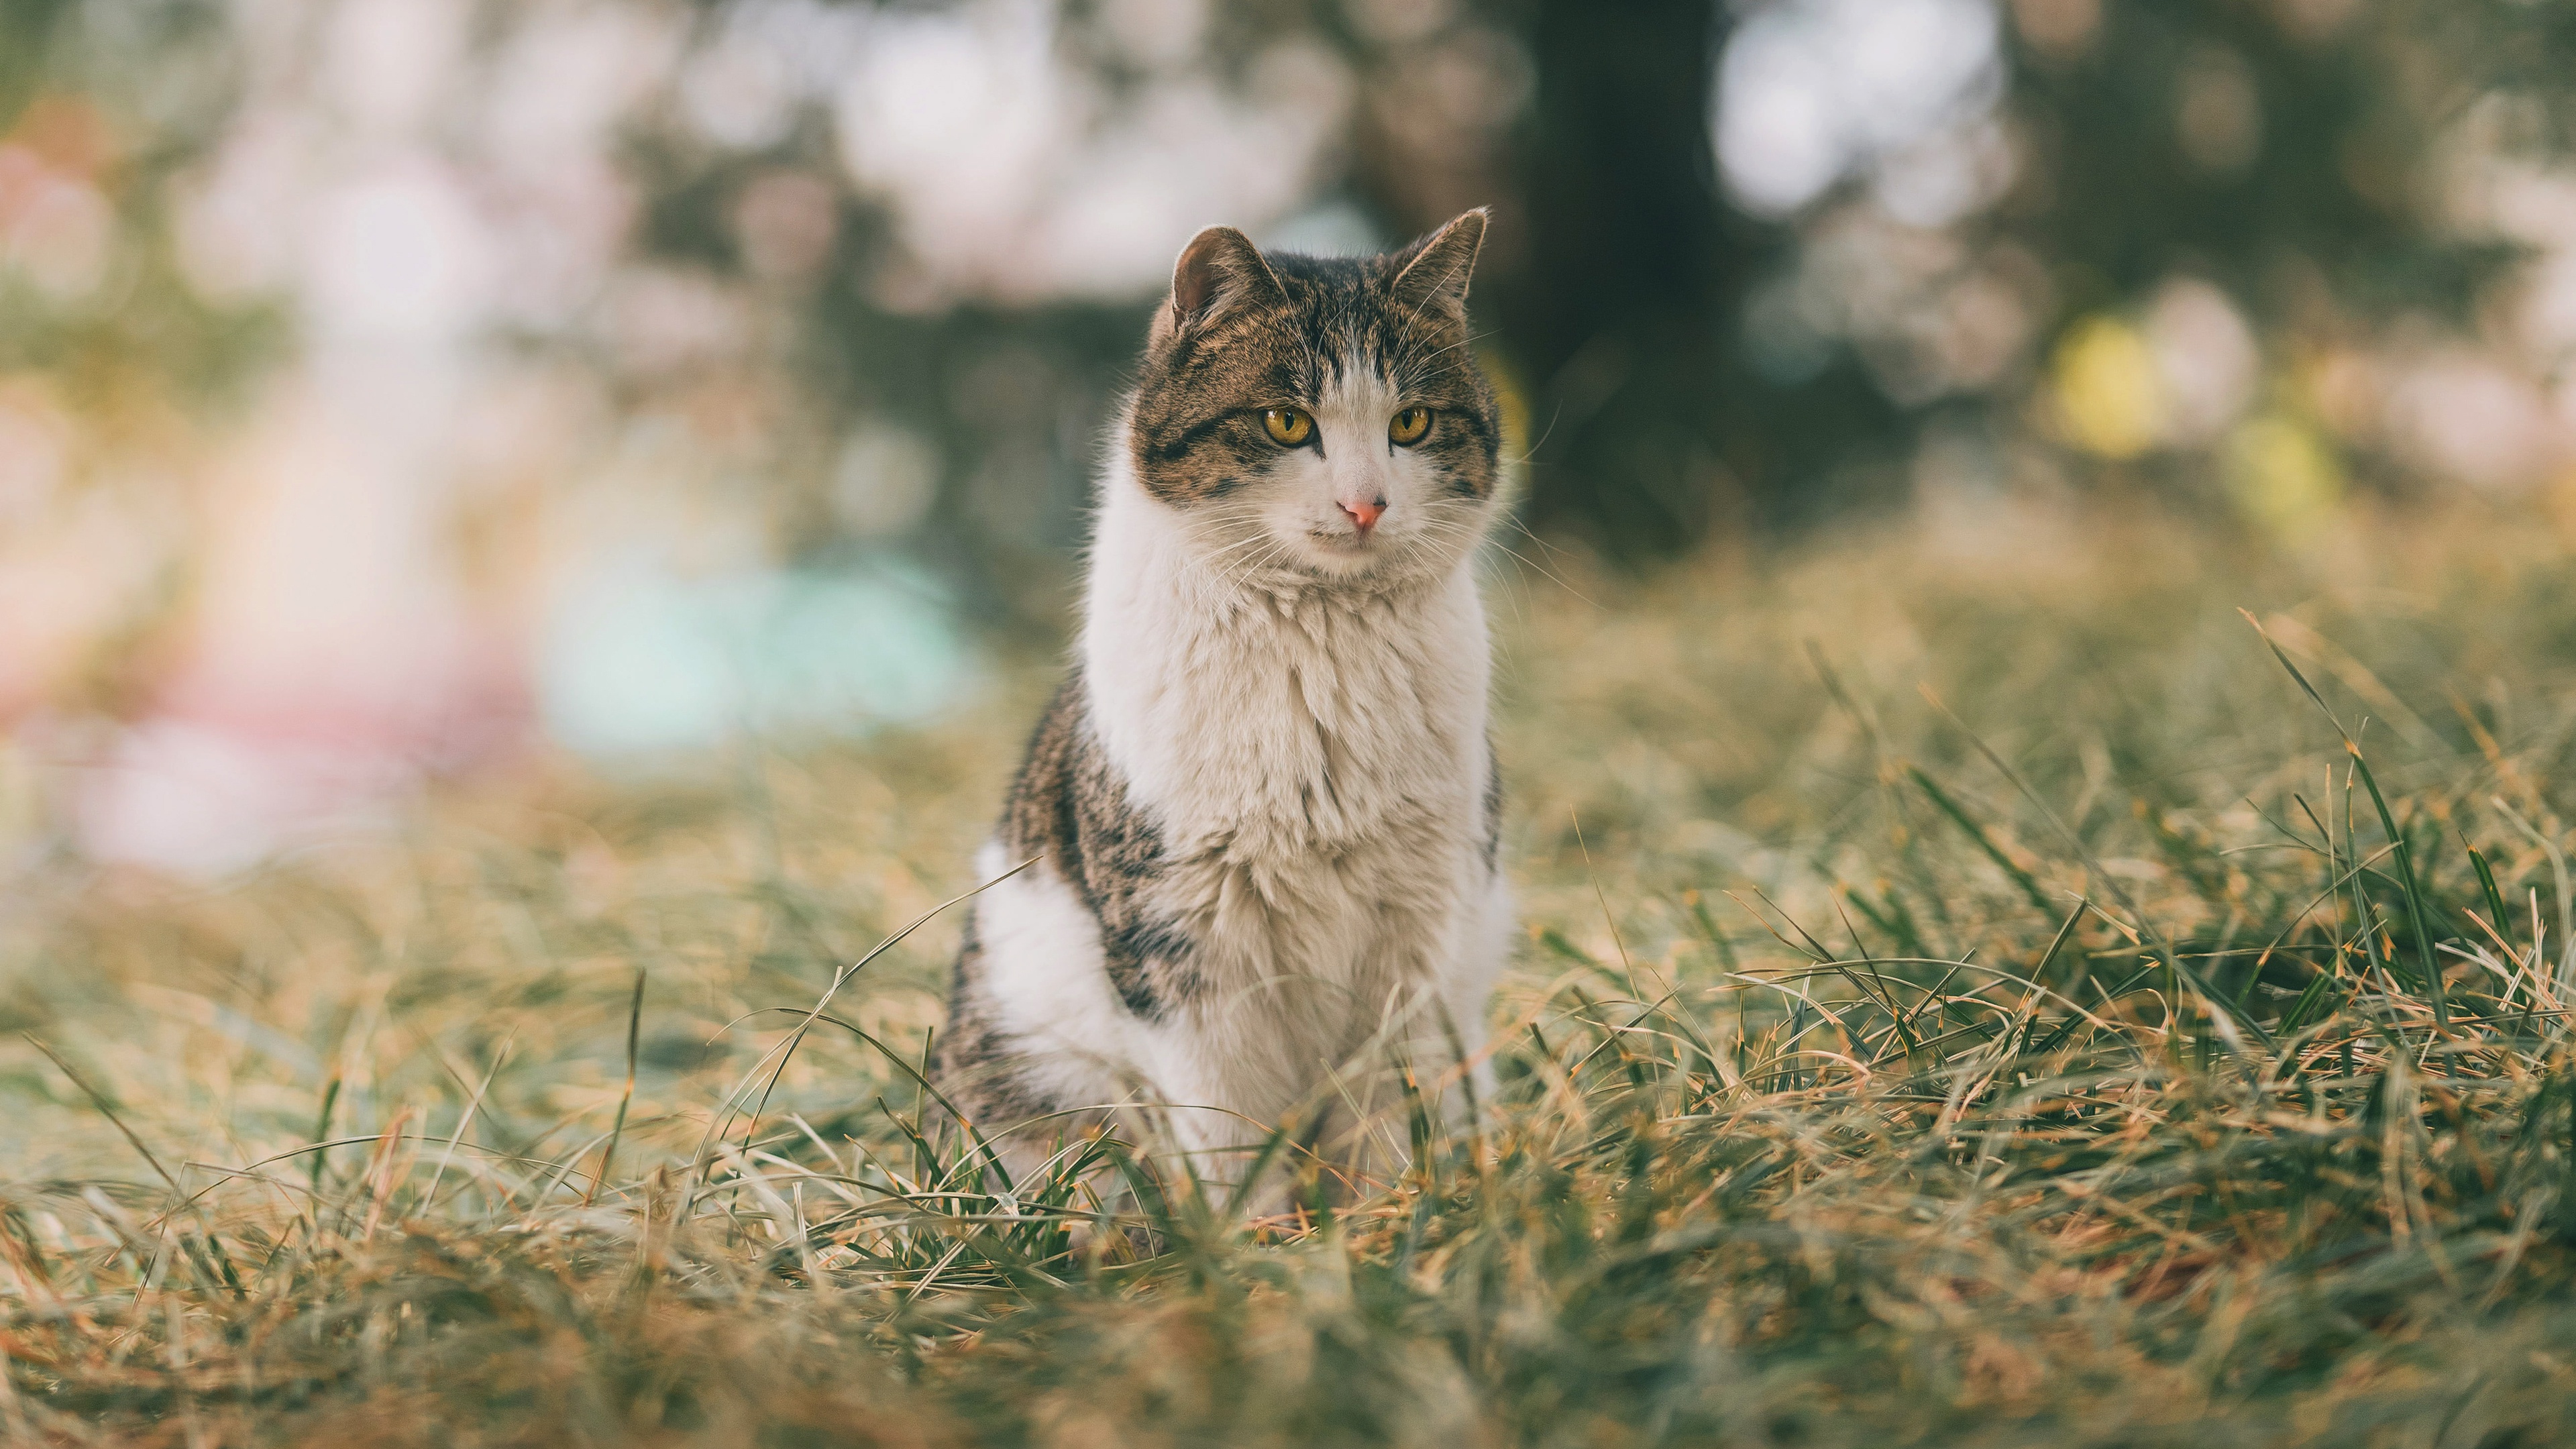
<point>2558,501</point>
<point>2109,395</point>
<point>2282,476</point>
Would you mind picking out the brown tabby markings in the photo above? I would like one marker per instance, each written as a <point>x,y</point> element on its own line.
<point>1069,806</point>
<point>1298,323</point>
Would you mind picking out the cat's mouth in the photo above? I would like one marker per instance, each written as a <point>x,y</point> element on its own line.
<point>1346,548</point>
<point>1327,552</point>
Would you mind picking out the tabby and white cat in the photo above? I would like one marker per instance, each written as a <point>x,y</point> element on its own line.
<point>1264,801</point>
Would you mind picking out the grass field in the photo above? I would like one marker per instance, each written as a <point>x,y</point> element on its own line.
<point>1974,995</point>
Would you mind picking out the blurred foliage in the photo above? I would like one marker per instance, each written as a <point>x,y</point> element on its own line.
<point>2286,152</point>
<point>101,106</point>
<point>2306,158</point>
<point>2290,152</point>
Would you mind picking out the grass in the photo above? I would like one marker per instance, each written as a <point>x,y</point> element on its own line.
<point>2140,1033</point>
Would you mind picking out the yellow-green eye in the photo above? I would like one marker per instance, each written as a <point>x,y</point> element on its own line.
<point>1409,427</point>
<point>1288,427</point>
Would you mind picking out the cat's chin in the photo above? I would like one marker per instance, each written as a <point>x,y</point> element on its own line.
<point>1344,556</point>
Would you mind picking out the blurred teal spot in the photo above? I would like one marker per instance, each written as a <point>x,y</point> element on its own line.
<point>637,659</point>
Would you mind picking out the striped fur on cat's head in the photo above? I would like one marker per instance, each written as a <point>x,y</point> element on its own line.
<point>1321,418</point>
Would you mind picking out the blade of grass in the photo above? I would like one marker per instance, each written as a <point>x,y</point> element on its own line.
<point>99,1100</point>
<point>2414,892</point>
<point>2487,885</point>
<point>1959,816</point>
<point>465,1119</point>
<point>2411,887</point>
<point>322,1129</point>
<point>626,1095</point>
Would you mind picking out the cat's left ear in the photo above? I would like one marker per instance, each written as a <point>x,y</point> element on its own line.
<point>1437,270</point>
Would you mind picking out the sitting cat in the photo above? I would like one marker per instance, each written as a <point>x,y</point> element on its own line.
<point>1263,803</point>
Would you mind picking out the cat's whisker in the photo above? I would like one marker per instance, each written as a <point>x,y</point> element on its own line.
<point>1549,573</point>
<point>1238,574</point>
<point>1240,543</point>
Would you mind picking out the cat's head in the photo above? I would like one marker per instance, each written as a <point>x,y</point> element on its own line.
<point>1320,417</point>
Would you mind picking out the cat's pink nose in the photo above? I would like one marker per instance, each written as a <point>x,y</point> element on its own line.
<point>1366,514</point>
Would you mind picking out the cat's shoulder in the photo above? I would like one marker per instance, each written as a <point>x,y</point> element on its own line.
<point>1056,758</point>
<point>1070,801</point>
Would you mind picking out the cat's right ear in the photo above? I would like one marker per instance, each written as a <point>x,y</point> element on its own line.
<point>1219,271</point>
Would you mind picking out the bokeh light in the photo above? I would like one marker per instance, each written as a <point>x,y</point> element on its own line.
<point>391,389</point>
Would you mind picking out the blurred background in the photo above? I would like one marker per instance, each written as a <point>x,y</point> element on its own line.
<point>392,390</point>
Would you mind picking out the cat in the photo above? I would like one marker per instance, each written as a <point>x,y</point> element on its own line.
<point>1263,808</point>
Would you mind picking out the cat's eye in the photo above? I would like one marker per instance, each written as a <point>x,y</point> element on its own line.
<point>1288,427</point>
<point>1409,427</point>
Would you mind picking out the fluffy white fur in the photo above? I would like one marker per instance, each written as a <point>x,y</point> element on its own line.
<point>1300,706</point>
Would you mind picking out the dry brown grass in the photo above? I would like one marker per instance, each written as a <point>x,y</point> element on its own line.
<point>2051,1064</point>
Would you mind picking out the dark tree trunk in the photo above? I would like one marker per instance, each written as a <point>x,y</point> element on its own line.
<point>1617,316</point>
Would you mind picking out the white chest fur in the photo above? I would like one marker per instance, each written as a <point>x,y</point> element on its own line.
<point>1316,763</point>
<point>1288,721</point>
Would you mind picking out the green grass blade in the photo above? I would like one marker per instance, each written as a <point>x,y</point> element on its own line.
<point>2417,917</point>
<point>1959,816</point>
